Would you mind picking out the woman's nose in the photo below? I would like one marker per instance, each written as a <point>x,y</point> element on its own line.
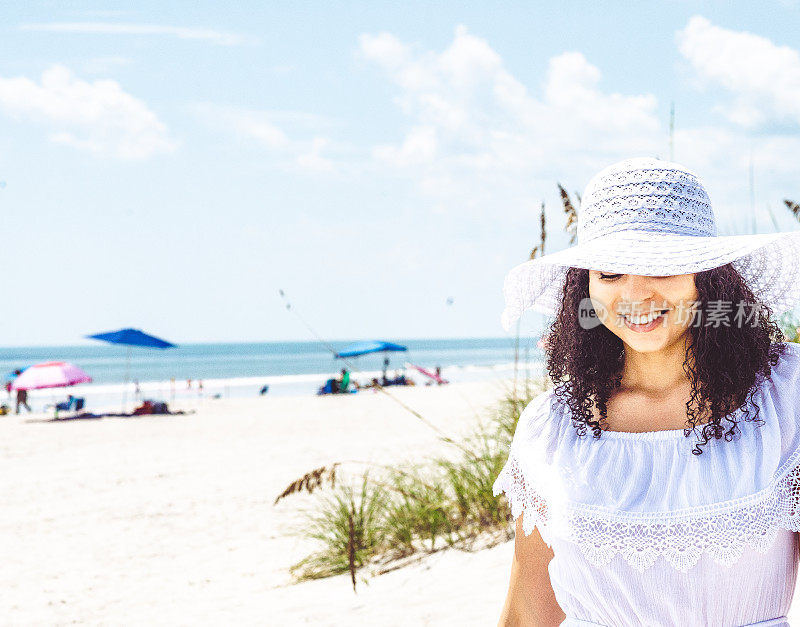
<point>636,288</point>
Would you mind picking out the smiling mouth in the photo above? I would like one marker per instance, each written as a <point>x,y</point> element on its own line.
<point>645,323</point>
<point>656,314</point>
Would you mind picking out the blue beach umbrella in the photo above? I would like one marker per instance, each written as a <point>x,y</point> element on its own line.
<point>131,337</point>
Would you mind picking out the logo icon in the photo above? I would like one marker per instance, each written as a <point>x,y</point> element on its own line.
<point>591,313</point>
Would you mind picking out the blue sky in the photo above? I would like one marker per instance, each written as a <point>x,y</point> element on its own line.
<point>171,167</point>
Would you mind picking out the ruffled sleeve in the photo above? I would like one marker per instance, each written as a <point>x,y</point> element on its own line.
<point>523,478</point>
<point>782,399</point>
<point>782,396</point>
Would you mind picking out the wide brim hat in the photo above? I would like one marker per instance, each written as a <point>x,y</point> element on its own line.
<point>654,218</point>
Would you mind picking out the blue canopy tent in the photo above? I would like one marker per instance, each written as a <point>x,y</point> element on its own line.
<point>131,337</point>
<point>363,348</point>
<point>373,346</point>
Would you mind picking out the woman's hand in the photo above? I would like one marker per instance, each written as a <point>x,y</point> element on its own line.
<point>530,601</point>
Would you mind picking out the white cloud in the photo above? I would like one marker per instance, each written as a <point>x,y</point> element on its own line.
<point>311,158</point>
<point>96,116</point>
<point>267,128</point>
<point>261,129</point>
<point>763,78</point>
<point>419,147</point>
<point>471,121</point>
<point>572,93</point>
<point>111,28</point>
<point>476,138</point>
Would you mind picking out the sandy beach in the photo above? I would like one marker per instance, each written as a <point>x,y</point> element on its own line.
<point>170,519</point>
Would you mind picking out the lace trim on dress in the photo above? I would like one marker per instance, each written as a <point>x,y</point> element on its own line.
<point>681,537</point>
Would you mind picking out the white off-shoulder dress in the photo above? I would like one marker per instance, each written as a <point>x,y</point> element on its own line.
<point>643,532</point>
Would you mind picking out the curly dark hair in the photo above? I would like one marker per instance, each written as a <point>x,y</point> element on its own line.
<point>729,361</point>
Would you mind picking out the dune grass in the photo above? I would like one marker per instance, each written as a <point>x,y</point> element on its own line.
<point>415,508</point>
<point>347,527</point>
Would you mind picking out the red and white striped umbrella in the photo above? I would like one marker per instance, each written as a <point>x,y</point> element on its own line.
<point>51,374</point>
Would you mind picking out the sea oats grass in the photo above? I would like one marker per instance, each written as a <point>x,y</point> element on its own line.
<point>310,481</point>
<point>415,507</point>
<point>347,527</point>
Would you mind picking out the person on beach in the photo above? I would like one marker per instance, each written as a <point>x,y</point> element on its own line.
<point>656,480</point>
<point>9,383</point>
<point>22,399</point>
<point>384,380</point>
<point>344,382</point>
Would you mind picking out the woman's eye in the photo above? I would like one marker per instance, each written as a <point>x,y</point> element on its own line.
<point>609,276</point>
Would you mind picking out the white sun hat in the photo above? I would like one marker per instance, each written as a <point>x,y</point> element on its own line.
<point>654,218</point>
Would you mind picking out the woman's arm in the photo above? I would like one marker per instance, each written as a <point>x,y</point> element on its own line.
<point>530,601</point>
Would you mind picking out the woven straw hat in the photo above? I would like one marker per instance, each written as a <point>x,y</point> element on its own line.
<point>650,217</point>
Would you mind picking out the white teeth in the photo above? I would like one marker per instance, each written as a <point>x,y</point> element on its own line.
<point>643,319</point>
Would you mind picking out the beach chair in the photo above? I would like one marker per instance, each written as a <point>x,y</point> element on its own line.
<point>73,404</point>
<point>327,388</point>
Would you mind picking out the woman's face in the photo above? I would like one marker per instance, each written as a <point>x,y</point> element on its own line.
<point>622,300</point>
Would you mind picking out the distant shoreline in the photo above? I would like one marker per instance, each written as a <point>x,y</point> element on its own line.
<point>111,394</point>
<point>290,362</point>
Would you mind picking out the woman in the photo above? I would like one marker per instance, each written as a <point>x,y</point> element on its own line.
<point>657,481</point>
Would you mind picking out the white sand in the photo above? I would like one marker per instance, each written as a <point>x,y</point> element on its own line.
<point>170,519</point>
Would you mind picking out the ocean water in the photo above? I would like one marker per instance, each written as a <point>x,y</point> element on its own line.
<point>242,369</point>
<point>107,363</point>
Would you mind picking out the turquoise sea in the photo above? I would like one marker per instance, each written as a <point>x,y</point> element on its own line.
<point>287,367</point>
<point>106,363</point>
